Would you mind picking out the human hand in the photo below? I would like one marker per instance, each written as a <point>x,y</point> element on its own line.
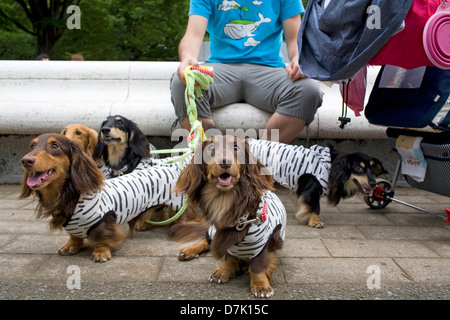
<point>183,64</point>
<point>293,70</point>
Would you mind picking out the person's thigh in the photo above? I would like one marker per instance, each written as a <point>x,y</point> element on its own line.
<point>226,89</point>
<point>271,89</point>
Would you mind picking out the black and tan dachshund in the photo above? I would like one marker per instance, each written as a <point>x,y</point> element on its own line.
<point>350,174</point>
<point>121,144</point>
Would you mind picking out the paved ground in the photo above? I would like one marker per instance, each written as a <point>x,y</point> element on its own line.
<point>393,253</point>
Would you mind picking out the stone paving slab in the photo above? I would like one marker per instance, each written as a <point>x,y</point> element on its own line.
<point>411,249</point>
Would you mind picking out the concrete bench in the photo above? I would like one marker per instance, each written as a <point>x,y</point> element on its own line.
<point>40,96</point>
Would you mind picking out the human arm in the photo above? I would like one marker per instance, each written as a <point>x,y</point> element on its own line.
<point>190,44</point>
<point>291,27</point>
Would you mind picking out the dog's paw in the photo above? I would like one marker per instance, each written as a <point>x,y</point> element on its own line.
<point>101,254</point>
<point>261,291</point>
<point>315,222</point>
<point>186,255</point>
<point>69,248</point>
<point>143,226</point>
<point>219,275</point>
<point>260,285</point>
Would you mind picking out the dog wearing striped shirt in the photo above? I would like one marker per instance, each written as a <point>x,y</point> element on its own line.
<point>121,145</point>
<point>245,220</point>
<point>72,190</point>
<point>315,171</point>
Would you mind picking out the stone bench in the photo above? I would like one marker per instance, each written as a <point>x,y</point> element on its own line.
<point>44,96</point>
<point>41,96</point>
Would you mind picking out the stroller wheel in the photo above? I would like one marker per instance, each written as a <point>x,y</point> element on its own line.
<point>377,199</point>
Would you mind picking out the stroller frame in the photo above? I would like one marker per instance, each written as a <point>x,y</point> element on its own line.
<point>383,193</point>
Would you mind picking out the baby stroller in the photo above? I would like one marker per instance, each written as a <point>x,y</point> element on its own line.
<point>424,147</point>
<point>410,95</point>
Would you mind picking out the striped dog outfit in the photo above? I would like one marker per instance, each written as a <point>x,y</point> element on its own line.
<point>125,197</point>
<point>258,235</point>
<point>288,162</point>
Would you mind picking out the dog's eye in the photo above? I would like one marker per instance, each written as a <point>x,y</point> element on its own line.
<point>32,146</point>
<point>358,169</point>
<point>64,132</point>
<point>78,133</point>
<point>54,146</point>
<point>119,121</point>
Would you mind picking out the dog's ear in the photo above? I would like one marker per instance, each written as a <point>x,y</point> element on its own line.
<point>92,137</point>
<point>192,177</point>
<point>377,167</point>
<point>137,141</point>
<point>85,175</point>
<point>190,181</point>
<point>259,176</point>
<point>340,172</point>
<point>99,148</point>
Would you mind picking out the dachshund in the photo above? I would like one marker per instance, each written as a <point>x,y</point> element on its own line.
<point>245,220</point>
<point>312,172</point>
<point>73,192</point>
<point>85,136</point>
<point>121,144</point>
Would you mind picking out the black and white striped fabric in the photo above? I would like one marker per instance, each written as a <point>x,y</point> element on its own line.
<point>109,173</point>
<point>285,162</point>
<point>125,197</point>
<point>288,162</point>
<point>258,235</point>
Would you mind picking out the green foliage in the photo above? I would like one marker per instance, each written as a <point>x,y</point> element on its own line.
<point>110,30</point>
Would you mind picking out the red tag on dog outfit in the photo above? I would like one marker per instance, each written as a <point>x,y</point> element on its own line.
<point>263,215</point>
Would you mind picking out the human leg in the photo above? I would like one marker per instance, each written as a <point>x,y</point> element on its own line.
<point>288,127</point>
<point>293,104</point>
<point>225,90</point>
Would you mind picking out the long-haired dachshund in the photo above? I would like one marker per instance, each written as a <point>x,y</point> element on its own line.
<point>86,137</point>
<point>311,172</point>
<point>72,191</point>
<point>245,220</point>
<point>121,144</point>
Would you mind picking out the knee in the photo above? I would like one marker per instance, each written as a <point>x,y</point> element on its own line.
<point>310,93</point>
<point>176,86</point>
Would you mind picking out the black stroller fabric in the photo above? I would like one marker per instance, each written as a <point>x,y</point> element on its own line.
<point>337,41</point>
<point>410,106</point>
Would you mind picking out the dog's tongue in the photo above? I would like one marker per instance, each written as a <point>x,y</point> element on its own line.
<point>36,179</point>
<point>225,179</point>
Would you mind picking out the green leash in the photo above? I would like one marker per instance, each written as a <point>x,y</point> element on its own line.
<point>197,79</point>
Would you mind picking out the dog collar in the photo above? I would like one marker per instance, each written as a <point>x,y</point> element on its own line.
<point>242,221</point>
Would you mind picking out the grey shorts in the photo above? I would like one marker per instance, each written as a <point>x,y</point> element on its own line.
<point>264,87</point>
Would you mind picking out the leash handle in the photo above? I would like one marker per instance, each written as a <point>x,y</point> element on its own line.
<point>197,79</point>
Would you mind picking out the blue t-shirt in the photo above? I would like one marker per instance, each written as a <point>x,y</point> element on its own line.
<point>246,31</point>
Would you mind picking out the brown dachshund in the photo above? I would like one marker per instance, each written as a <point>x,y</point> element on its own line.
<point>86,137</point>
<point>72,190</point>
<point>245,220</point>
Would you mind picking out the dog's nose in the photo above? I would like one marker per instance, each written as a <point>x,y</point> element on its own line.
<point>106,130</point>
<point>28,161</point>
<point>372,182</point>
<point>226,163</point>
<point>225,166</point>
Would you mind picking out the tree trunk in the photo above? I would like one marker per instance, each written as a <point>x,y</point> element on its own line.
<point>46,39</point>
